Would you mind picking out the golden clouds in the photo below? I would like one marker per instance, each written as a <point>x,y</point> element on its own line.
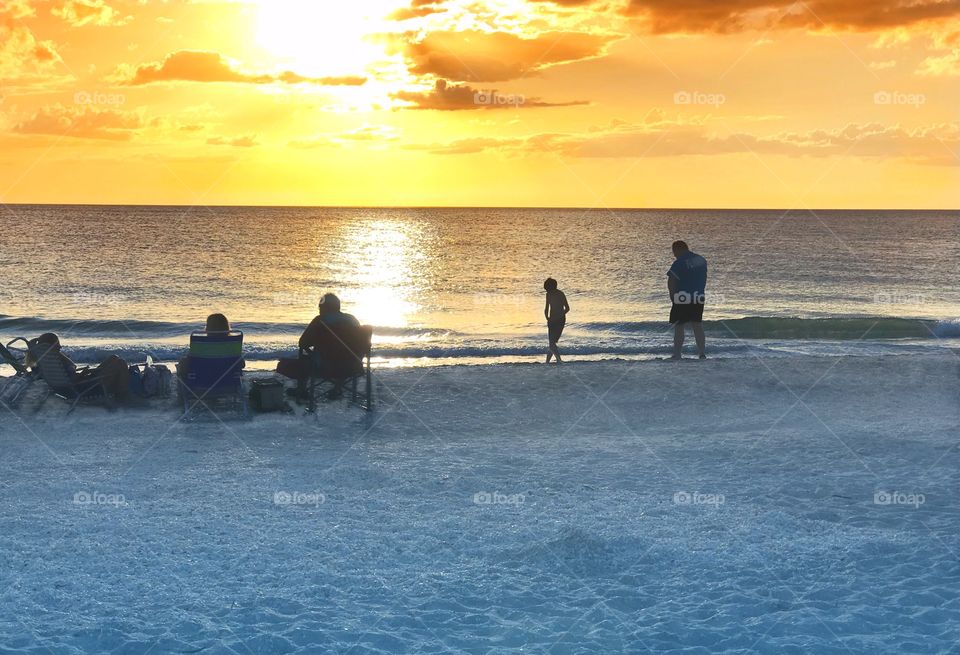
<point>82,122</point>
<point>661,137</point>
<point>474,56</point>
<point>22,55</point>
<point>293,87</point>
<point>202,66</point>
<point>87,12</point>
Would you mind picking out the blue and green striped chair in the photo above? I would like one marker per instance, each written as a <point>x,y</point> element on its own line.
<point>214,371</point>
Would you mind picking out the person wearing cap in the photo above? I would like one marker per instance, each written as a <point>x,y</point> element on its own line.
<point>329,316</point>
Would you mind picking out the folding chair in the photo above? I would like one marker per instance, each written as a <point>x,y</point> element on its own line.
<point>23,377</point>
<point>341,357</point>
<point>214,374</point>
<point>70,385</point>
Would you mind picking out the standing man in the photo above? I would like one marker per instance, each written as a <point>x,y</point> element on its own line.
<point>687,283</point>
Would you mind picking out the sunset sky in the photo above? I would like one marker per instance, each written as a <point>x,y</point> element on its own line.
<point>612,103</point>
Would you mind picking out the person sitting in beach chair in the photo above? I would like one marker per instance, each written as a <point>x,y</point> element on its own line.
<point>213,370</point>
<point>339,356</point>
<point>329,315</point>
<point>216,324</point>
<point>334,349</point>
<point>107,383</point>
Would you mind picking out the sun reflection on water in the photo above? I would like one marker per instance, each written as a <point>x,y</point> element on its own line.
<point>380,270</point>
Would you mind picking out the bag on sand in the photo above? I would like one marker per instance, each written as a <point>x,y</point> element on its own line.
<point>151,382</point>
<point>267,395</point>
<point>293,368</point>
<point>156,380</point>
<point>135,384</point>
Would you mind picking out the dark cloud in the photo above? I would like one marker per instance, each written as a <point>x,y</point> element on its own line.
<point>721,16</point>
<point>473,56</point>
<point>454,97</point>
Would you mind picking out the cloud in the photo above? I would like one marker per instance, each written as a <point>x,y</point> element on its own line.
<point>418,9</point>
<point>946,60</point>
<point>204,66</point>
<point>944,65</point>
<point>474,56</point>
<point>83,123</point>
<point>88,12</point>
<point>470,146</point>
<point>657,137</point>
<point>236,142</point>
<point>22,56</point>
<point>375,134</point>
<point>723,16</point>
<point>451,97</point>
<point>668,16</point>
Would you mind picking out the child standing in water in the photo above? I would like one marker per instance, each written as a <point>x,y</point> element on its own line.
<point>555,312</point>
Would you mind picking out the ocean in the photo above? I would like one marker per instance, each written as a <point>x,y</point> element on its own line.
<point>453,285</point>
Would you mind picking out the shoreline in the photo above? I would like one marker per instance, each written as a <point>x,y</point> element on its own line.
<point>258,368</point>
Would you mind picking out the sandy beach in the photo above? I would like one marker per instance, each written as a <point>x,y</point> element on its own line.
<point>795,505</point>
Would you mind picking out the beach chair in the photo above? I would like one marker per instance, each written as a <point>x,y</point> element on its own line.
<point>23,376</point>
<point>12,359</point>
<point>340,359</point>
<point>61,381</point>
<point>214,375</point>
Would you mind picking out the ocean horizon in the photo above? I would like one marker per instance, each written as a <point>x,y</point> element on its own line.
<point>463,285</point>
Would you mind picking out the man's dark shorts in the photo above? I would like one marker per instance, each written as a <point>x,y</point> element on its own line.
<point>686,313</point>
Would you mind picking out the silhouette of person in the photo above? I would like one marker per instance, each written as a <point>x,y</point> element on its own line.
<point>112,373</point>
<point>216,324</point>
<point>555,311</point>
<point>329,316</point>
<point>687,283</point>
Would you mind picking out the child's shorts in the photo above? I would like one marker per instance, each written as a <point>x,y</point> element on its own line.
<point>555,329</point>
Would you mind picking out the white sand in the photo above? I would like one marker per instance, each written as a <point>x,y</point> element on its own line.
<point>584,548</point>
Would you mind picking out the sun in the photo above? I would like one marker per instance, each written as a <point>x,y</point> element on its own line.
<point>324,39</point>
